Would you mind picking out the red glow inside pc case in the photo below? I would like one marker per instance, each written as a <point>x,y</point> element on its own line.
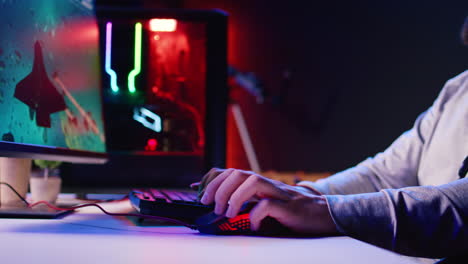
<point>156,84</point>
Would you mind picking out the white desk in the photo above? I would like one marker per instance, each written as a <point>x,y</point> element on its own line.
<point>89,236</point>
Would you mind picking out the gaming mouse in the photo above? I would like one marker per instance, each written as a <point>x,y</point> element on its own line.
<point>212,223</point>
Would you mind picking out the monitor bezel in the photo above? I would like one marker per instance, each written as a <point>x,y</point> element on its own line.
<point>31,151</point>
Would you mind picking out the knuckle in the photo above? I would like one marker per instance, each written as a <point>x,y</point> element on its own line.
<point>215,172</point>
<point>228,172</point>
<point>255,179</point>
<point>210,173</point>
<point>265,203</point>
<point>237,174</point>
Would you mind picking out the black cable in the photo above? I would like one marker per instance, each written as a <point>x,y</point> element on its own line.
<point>162,218</point>
<point>175,221</point>
<point>17,194</point>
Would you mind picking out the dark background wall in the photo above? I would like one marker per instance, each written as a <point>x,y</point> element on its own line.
<point>360,72</point>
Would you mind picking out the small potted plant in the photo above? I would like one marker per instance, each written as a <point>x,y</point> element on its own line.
<point>45,181</point>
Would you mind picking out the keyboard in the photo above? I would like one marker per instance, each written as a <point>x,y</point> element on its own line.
<point>184,206</point>
<point>180,205</point>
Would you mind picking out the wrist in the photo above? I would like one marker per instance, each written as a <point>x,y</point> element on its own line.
<point>329,225</point>
<point>307,187</point>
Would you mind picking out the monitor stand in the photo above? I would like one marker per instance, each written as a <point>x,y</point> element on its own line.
<point>31,213</point>
<point>16,172</point>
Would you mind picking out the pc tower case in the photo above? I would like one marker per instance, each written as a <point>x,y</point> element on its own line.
<point>164,88</point>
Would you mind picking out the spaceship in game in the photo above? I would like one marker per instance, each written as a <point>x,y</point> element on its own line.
<point>38,92</point>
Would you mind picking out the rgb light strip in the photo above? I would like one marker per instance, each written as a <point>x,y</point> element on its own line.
<point>112,74</point>
<point>137,68</point>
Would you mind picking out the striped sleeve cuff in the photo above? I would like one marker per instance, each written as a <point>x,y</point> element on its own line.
<point>366,217</point>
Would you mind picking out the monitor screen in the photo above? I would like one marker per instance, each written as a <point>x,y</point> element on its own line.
<point>50,97</point>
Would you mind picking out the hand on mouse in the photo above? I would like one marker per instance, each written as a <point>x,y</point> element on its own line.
<point>214,172</point>
<point>298,208</point>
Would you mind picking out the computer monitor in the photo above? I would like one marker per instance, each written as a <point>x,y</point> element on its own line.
<point>50,80</point>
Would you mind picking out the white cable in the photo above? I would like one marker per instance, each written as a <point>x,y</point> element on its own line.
<point>245,138</point>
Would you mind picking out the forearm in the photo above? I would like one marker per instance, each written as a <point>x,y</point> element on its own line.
<point>372,175</point>
<point>396,167</point>
<point>418,221</point>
